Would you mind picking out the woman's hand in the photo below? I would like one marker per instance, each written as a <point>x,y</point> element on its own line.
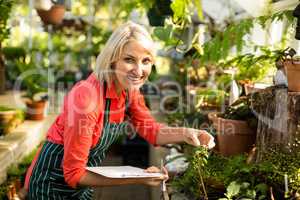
<point>197,137</point>
<point>22,194</point>
<point>155,181</point>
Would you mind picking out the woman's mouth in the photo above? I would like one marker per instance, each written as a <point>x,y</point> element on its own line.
<point>135,79</point>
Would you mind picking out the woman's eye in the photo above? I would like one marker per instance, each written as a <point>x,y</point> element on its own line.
<point>129,60</point>
<point>146,61</point>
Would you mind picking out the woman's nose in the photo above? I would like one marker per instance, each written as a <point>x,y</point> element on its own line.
<point>139,70</point>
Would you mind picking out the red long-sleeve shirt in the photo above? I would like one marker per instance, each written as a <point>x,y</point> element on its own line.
<point>79,126</point>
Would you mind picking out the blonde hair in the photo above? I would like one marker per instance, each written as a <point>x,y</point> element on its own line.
<point>113,48</point>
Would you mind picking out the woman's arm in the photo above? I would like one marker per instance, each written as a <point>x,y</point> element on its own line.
<point>168,135</point>
<point>156,133</point>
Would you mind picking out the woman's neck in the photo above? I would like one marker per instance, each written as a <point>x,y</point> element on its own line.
<point>118,87</point>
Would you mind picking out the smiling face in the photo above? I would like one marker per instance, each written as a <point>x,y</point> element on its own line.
<point>133,67</point>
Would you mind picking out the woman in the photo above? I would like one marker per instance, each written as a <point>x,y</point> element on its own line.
<point>92,118</point>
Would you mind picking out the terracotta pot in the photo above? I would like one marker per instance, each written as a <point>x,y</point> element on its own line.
<point>53,16</point>
<point>292,69</point>
<point>233,136</point>
<point>6,118</point>
<point>35,110</point>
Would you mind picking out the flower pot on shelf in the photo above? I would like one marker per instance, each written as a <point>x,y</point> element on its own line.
<point>35,110</point>
<point>53,16</point>
<point>9,119</point>
<point>5,118</point>
<point>292,69</point>
<point>233,136</point>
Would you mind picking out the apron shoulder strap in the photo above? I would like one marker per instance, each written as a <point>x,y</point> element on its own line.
<point>107,104</point>
<point>127,113</point>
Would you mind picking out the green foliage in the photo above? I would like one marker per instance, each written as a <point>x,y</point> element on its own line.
<point>175,32</point>
<point>219,47</point>
<point>34,78</point>
<point>18,170</point>
<point>253,66</point>
<point>243,191</point>
<point>165,34</point>
<point>124,7</point>
<point>15,172</point>
<point>279,162</point>
<point>181,11</point>
<point>219,51</point>
<point>279,16</point>
<point>13,53</point>
<point>5,9</point>
<point>241,110</point>
<point>19,112</point>
<point>198,160</point>
<point>3,191</point>
<point>210,97</point>
<point>4,108</point>
<point>242,180</point>
<point>9,125</point>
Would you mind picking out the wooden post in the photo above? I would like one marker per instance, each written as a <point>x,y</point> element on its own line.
<point>278,113</point>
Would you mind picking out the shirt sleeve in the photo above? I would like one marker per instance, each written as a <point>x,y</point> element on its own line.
<point>80,121</point>
<point>141,118</point>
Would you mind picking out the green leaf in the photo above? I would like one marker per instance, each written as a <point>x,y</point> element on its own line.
<point>163,33</point>
<point>233,189</point>
<point>262,187</point>
<point>178,7</point>
<point>251,194</point>
<point>198,4</point>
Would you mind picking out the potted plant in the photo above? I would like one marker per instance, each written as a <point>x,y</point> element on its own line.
<point>10,118</point>
<point>35,102</point>
<point>51,12</point>
<point>236,128</point>
<point>36,87</point>
<point>292,69</point>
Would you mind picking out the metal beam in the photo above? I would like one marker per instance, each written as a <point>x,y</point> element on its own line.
<point>255,8</point>
<point>284,5</point>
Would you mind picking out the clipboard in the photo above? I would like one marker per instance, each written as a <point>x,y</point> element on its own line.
<point>122,172</point>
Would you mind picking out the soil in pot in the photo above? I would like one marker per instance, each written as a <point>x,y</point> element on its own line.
<point>233,136</point>
<point>292,69</point>
<point>35,110</point>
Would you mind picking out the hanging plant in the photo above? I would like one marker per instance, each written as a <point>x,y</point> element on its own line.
<point>159,11</point>
<point>220,46</point>
<point>180,31</point>
<point>51,12</point>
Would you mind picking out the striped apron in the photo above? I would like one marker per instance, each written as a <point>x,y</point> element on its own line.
<point>47,179</point>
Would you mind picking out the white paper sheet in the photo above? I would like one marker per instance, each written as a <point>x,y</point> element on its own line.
<point>122,172</point>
